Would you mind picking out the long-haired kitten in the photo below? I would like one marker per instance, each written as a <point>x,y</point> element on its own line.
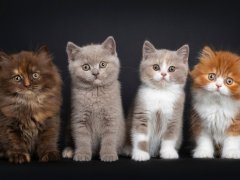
<point>158,108</point>
<point>216,104</point>
<point>30,100</point>
<point>97,120</point>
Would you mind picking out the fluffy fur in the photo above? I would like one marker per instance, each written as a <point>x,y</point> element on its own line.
<point>97,121</point>
<point>156,117</point>
<point>30,100</point>
<point>216,104</point>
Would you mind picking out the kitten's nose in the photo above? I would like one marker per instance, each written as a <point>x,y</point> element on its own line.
<point>95,72</point>
<point>218,85</point>
<point>163,74</point>
<point>27,83</point>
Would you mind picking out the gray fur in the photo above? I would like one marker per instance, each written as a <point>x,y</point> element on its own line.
<point>98,125</point>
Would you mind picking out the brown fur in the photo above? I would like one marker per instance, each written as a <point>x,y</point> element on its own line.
<point>29,109</point>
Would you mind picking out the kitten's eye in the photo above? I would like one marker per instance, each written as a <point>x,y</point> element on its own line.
<point>229,81</point>
<point>156,67</point>
<point>35,75</point>
<point>102,64</point>
<point>85,67</point>
<point>171,69</point>
<point>17,78</point>
<point>211,76</point>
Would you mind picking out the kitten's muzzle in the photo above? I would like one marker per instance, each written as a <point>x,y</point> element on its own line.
<point>95,72</point>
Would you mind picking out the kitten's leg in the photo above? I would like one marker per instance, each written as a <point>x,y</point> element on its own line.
<point>16,150</point>
<point>82,137</point>
<point>231,147</point>
<point>47,147</point>
<point>171,139</point>
<point>140,137</point>
<point>204,148</point>
<point>108,150</point>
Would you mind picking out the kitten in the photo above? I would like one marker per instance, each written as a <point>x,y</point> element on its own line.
<point>158,109</point>
<point>216,104</point>
<point>97,121</point>
<point>30,100</point>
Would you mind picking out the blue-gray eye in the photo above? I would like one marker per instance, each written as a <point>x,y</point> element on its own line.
<point>17,78</point>
<point>86,67</point>
<point>156,67</point>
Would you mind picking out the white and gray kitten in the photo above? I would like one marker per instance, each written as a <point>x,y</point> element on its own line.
<point>97,120</point>
<point>156,117</point>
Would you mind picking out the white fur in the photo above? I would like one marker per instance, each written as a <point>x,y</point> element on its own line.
<point>212,87</point>
<point>139,155</point>
<point>67,152</point>
<point>204,147</point>
<point>164,69</point>
<point>168,150</point>
<point>231,147</point>
<point>161,100</point>
<point>216,111</point>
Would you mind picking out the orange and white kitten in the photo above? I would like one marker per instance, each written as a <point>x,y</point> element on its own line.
<point>216,104</point>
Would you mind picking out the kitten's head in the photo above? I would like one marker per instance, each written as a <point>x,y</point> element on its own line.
<point>93,65</point>
<point>160,68</point>
<point>27,73</point>
<point>217,72</point>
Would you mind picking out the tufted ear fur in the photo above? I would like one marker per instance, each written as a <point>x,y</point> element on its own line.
<point>148,48</point>
<point>110,45</point>
<point>72,49</point>
<point>184,53</point>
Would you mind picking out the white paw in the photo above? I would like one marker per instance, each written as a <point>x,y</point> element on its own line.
<point>140,155</point>
<point>169,154</point>
<point>203,153</point>
<point>231,154</point>
<point>67,153</point>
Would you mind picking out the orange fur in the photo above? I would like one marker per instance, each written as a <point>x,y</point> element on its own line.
<point>222,63</point>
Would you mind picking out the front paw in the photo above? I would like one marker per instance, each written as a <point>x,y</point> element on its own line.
<point>50,156</point>
<point>139,155</point>
<point>231,154</point>
<point>82,156</point>
<point>203,153</point>
<point>169,154</point>
<point>109,157</point>
<point>19,158</point>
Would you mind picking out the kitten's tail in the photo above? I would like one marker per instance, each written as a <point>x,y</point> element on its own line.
<point>67,152</point>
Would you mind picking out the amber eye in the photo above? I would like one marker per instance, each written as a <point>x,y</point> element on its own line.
<point>156,67</point>
<point>17,78</point>
<point>35,75</point>
<point>85,67</point>
<point>102,64</point>
<point>211,76</point>
<point>229,81</point>
<point>171,69</point>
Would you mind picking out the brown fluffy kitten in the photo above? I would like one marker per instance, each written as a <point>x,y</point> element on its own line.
<point>216,104</point>
<point>30,100</point>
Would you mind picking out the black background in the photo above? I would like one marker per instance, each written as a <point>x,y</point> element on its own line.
<point>26,25</point>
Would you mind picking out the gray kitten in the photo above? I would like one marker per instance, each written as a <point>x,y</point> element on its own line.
<point>156,118</point>
<point>97,120</point>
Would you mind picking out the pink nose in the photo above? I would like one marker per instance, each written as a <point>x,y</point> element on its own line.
<point>163,74</point>
<point>218,86</point>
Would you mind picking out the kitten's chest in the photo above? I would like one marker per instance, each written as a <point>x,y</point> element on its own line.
<point>217,114</point>
<point>155,100</point>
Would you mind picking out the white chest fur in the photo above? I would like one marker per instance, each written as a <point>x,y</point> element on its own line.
<point>216,111</point>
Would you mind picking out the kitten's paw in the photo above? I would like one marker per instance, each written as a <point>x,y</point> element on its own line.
<point>50,156</point>
<point>19,158</point>
<point>231,154</point>
<point>67,152</point>
<point>109,157</point>
<point>140,156</point>
<point>82,157</point>
<point>203,153</point>
<point>169,154</point>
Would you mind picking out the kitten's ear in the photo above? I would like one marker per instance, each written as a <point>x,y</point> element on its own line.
<point>184,52</point>
<point>148,48</point>
<point>44,52</point>
<point>110,45</point>
<point>4,56</point>
<point>72,49</point>
<point>208,53</point>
